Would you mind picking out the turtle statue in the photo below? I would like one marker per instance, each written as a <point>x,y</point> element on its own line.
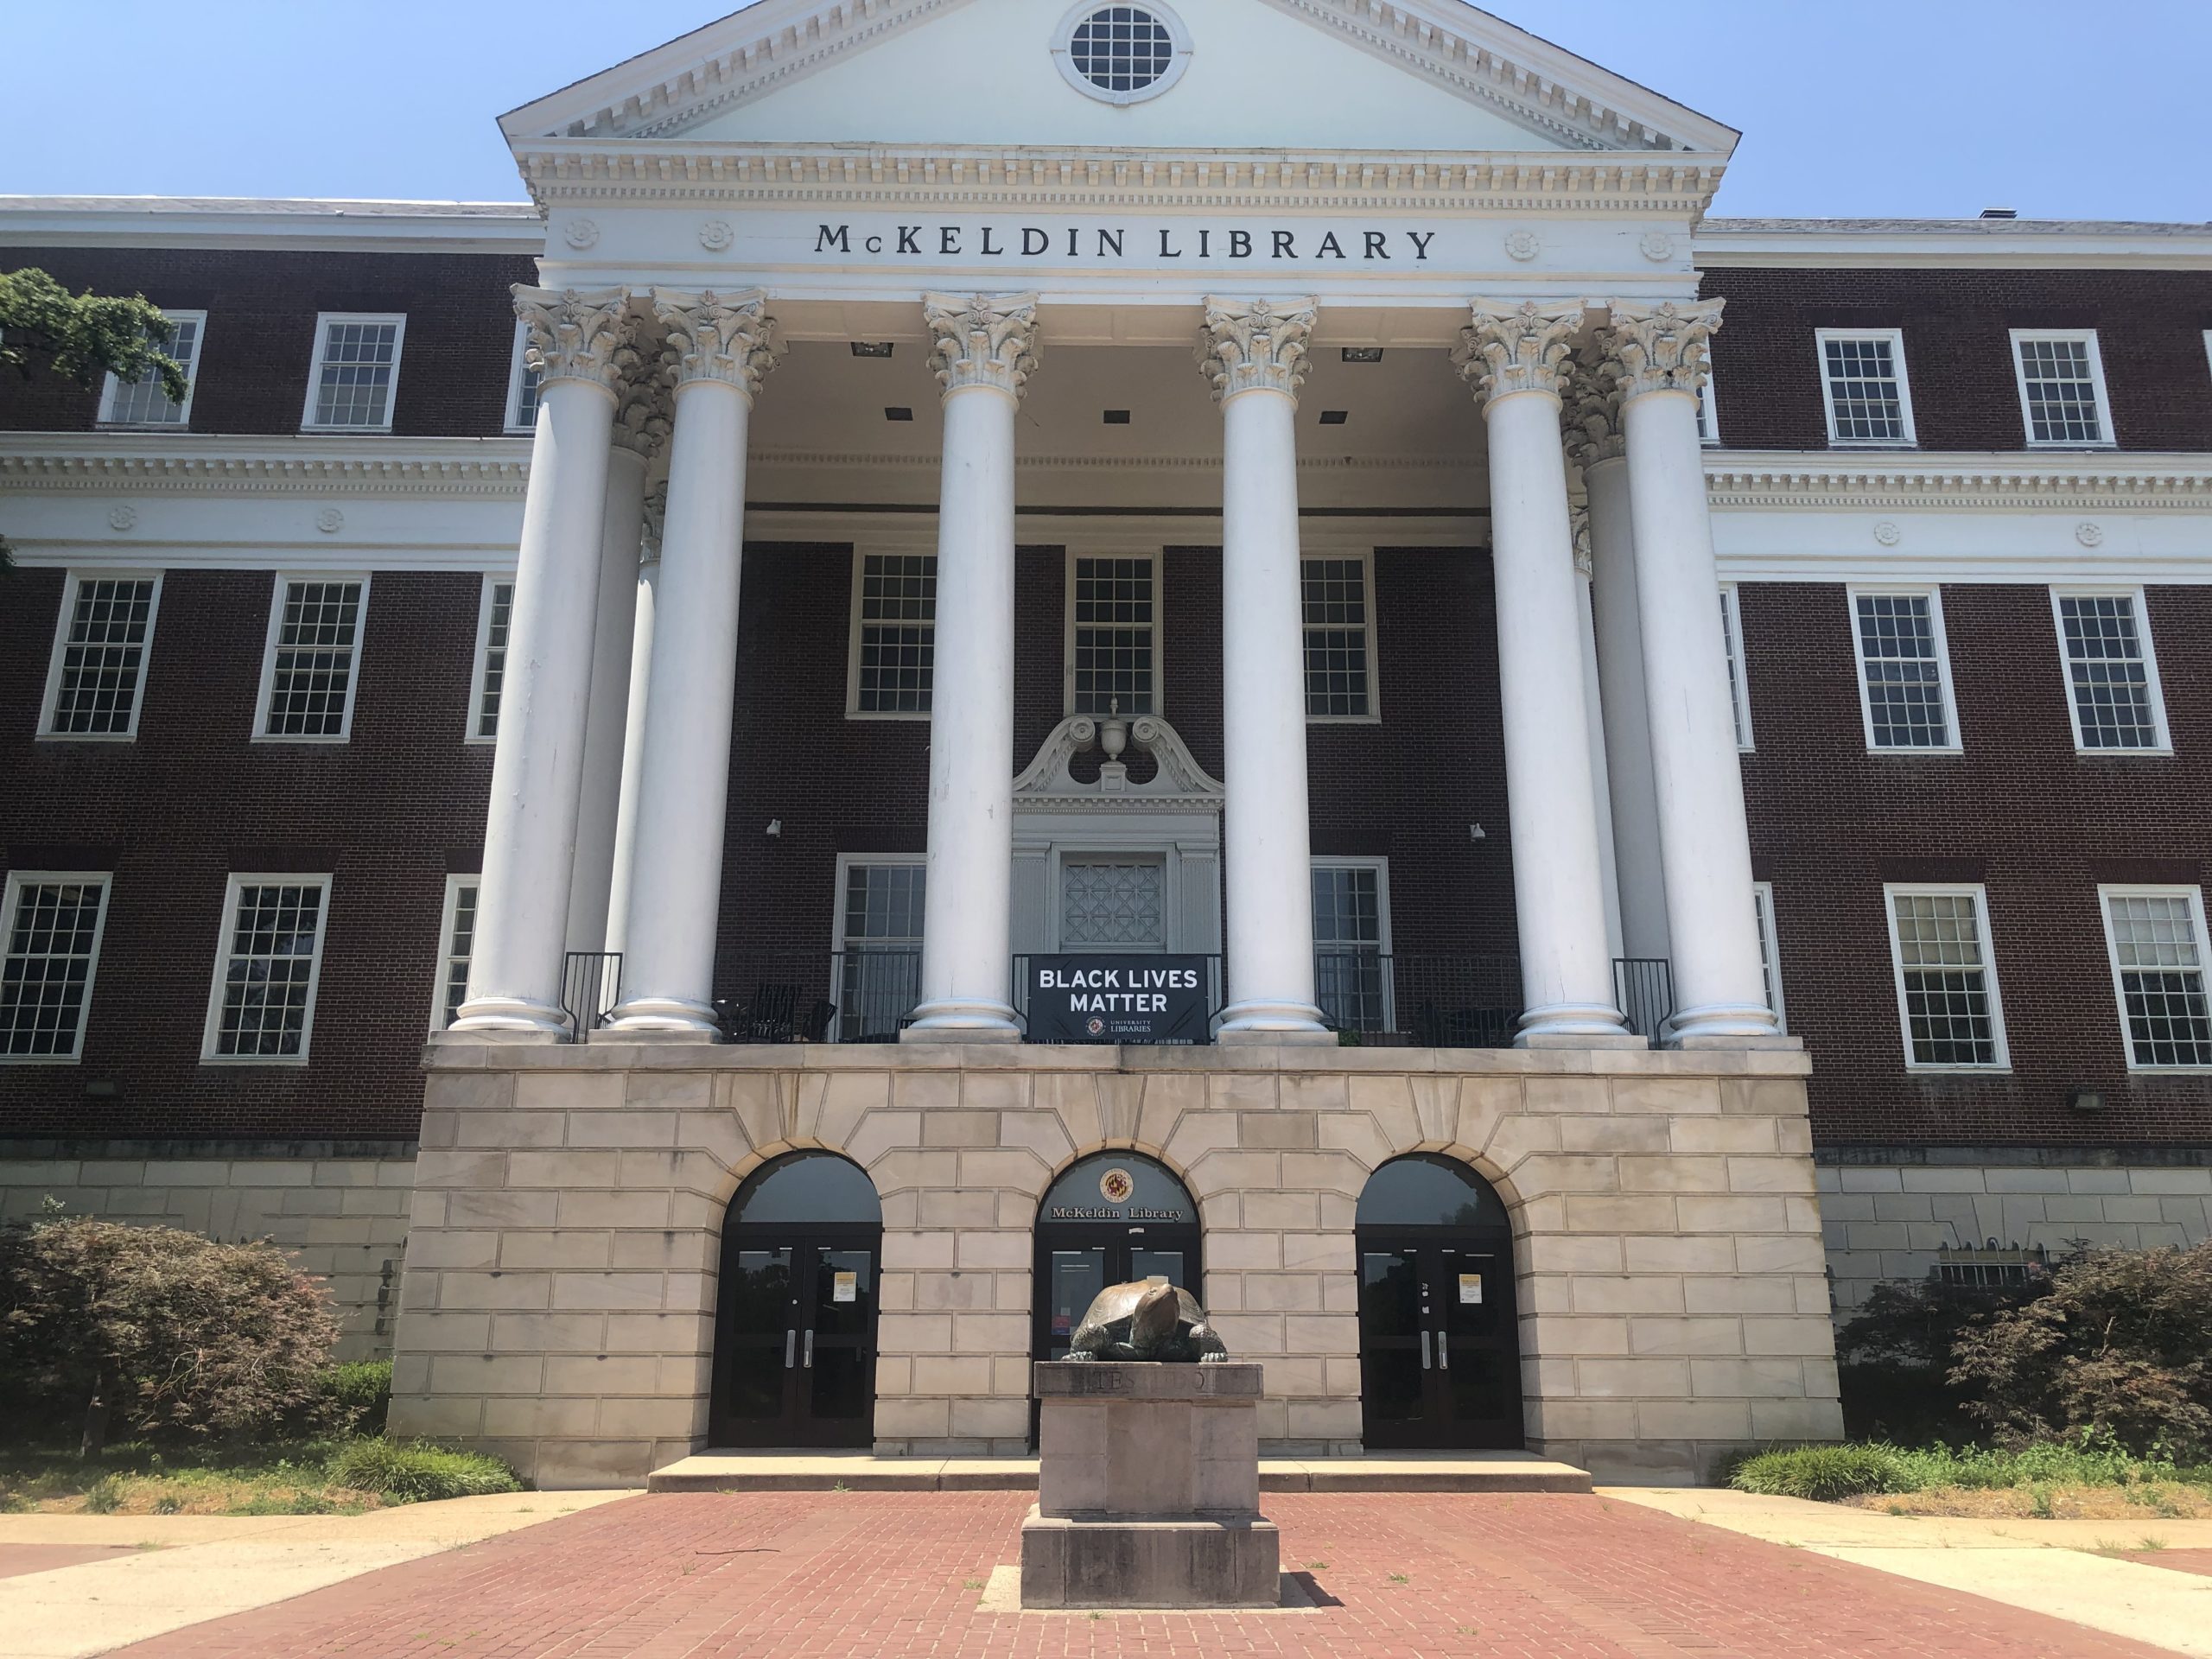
<point>1146,1320</point>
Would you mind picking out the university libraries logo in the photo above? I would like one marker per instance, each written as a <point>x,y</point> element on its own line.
<point>1115,1186</point>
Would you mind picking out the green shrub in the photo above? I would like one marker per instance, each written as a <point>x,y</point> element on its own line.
<point>104,1495</point>
<point>1825,1474</point>
<point>362,1392</point>
<point>417,1472</point>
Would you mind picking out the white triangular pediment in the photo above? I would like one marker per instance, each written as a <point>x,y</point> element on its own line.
<point>1427,75</point>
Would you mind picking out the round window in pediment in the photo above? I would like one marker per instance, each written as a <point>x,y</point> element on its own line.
<point>1121,54</point>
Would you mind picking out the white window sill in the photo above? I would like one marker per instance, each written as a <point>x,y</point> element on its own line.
<point>1343,719</point>
<point>891,714</point>
<point>254,1059</point>
<point>2134,1071</point>
<point>87,737</point>
<point>2165,752</point>
<point>384,430</point>
<point>301,737</point>
<point>41,1059</point>
<point>1873,443</point>
<point>1916,749</point>
<point>2071,443</point>
<point>1919,1070</point>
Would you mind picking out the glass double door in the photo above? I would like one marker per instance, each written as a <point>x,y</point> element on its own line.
<point>1078,1262</point>
<point>1439,1346</point>
<point>795,1358</point>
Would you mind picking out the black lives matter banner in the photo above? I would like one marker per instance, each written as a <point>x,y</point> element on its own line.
<point>1108,999</point>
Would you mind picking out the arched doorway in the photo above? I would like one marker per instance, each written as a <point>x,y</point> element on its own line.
<point>795,1324</point>
<point>1111,1218</point>
<point>1440,1353</point>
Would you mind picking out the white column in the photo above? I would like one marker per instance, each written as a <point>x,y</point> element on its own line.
<point>530,832</point>
<point>633,729</point>
<point>985,352</point>
<point>722,343</point>
<point>1704,850</point>
<point>1512,357</point>
<point>1593,438</point>
<point>1252,353</point>
<point>1593,710</point>
<point>640,427</point>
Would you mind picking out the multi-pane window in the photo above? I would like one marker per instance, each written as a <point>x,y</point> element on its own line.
<point>2061,387</point>
<point>2158,956</point>
<point>522,382</point>
<point>1863,383</point>
<point>263,1007</point>
<point>314,649</point>
<point>53,945</point>
<point>894,633</point>
<point>1351,950</point>
<point>144,402</point>
<point>457,940</point>
<point>2112,677</point>
<point>1770,949</point>
<point>98,674</point>
<point>494,615</point>
<point>355,375</point>
<point>1947,984</point>
<point>879,967</point>
<point>1902,679</point>
<point>1732,645</point>
<point>1339,659</point>
<point>1708,412</point>
<point>1114,635</point>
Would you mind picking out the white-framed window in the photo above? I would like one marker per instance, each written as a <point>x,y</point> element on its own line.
<point>892,655</point>
<point>1864,387</point>
<point>355,377</point>
<point>494,615</point>
<point>1352,943</point>
<point>2112,695</point>
<point>1708,411</point>
<point>522,382</point>
<point>2062,376</point>
<point>2157,941</point>
<point>96,681</point>
<point>1121,54</point>
<point>1946,978</point>
<point>1112,644</point>
<point>54,919</point>
<point>1338,595</point>
<point>1904,671</point>
<point>1770,949</point>
<point>456,944</point>
<point>1731,645</point>
<point>313,658</point>
<point>142,403</point>
<point>879,944</point>
<point>260,1010</point>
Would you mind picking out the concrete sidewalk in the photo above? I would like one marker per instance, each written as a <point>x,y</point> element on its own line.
<point>185,1568</point>
<point>2042,1567</point>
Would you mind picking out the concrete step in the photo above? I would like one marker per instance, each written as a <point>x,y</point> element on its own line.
<point>862,1471</point>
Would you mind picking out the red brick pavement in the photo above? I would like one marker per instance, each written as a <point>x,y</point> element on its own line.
<point>16,1559</point>
<point>890,1575</point>
<point>2178,1561</point>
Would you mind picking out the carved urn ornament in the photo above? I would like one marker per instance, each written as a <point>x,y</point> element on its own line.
<point>1146,1320</point>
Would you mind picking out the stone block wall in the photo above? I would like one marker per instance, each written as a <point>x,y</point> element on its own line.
<point>341,1211</point>
<point>559,1305</point>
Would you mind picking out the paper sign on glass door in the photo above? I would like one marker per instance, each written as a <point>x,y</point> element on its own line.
<point>846,1288</point>
<point>1470,1287</point>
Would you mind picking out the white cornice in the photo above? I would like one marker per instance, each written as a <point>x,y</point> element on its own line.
<point>1738,479</point>
<point>510,227</point>
<point>2008,245</point>
<point>1649,184</point>
<point>192,464</point>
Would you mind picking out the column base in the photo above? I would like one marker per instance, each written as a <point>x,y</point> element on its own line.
<point>1266,1020</point>
<point>1575,1025</point>
<point>661,1019</point>
<point>1732,1023</point>
<point>1581,1039</point>
<point>962,1019</point>
<point>506,1020</point>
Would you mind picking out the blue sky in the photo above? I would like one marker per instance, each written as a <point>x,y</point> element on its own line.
<point>1909,108</point>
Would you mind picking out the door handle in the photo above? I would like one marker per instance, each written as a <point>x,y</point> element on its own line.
<point>1424,1350</point>
<point>810,1350</point>
<point>790,1348</point>
<point>1443,1350</point>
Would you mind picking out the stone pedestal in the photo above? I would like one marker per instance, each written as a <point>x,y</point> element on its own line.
<point>1148,1489</point>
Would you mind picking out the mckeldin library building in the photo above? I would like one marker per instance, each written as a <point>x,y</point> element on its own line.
<point>1245,650</point>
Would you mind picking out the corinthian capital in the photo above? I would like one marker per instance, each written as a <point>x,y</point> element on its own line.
<point>645,403</point>
<point>1590,408</point>
<point>1254,346</point>
<point>1662,348</point>
<point>726,337</point>
<point>1516,348</point>
<point>982,339</point>
<point>573,335</point>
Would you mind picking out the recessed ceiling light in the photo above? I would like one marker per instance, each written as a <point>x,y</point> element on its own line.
<point>1335,417</point>
<point>1117,417</point>
<point>897,414</point>
<point>1362,353</point>
<point>872,349</point>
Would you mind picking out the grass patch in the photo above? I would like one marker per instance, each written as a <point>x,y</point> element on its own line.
<point>322,1476</point>
<point>2079,1475</point>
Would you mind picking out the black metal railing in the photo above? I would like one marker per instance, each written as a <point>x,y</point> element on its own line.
<point>1215,983</point>
<point>1643,988</point>
<point>867,996</point>
<point>591,988</point>
<point>1429,998</point>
